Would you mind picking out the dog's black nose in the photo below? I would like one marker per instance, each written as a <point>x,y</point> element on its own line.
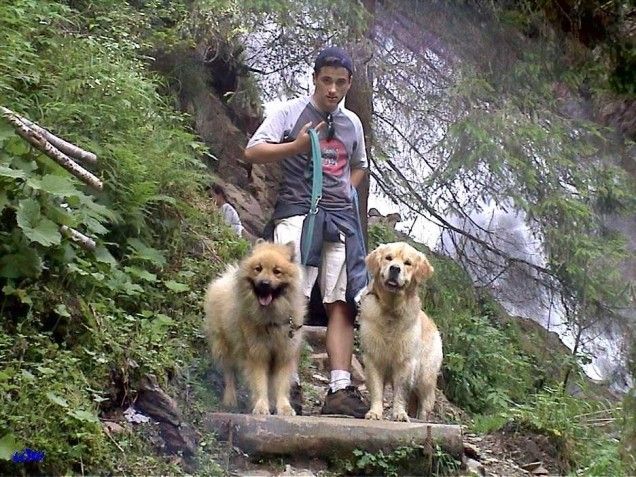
<point>394,269</point>
<point>264,284</point>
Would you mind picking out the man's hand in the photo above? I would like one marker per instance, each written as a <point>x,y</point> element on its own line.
<point>302,143</point>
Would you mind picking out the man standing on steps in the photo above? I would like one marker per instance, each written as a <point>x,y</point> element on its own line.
<point>336,252</point>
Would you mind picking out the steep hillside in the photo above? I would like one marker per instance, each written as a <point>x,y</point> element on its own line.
<point>104,367</point>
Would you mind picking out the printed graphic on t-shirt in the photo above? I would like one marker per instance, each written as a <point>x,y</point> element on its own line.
<point>334,157</point>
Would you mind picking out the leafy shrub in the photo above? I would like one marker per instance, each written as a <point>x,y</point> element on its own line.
<point>404,460</point>
<point>483,370</point>
<point>79,328</point>
<point>584,429</point>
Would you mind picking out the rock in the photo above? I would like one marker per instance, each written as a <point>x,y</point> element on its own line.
<point>535,468</point>
<point>316,336</point>
<point>471,451</point>
<point>256,473</point>
<point>112,427</point>
<point>390,220</point>
<point>321,361</point>
<point>320,378</point>
<point>289,470</point>
<point>475,468</point>
<point>181,438</point>
<point>177,435</point>
<point>314,436</point>
<point>154,402</point>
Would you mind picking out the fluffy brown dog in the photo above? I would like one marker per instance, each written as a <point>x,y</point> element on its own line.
<point>254,313</point>
<point>401,344</point>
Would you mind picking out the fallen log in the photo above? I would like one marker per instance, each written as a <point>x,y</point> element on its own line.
<point>38,141</point>
<point>315,436</point>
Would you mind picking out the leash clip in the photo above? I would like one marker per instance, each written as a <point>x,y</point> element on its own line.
<point>292,328</point>
<point>314,207</point>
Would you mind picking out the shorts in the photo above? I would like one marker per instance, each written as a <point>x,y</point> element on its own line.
<point>333,269</point>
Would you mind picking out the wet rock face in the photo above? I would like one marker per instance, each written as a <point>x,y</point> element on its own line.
<point>224,126</point>
<point>389,220</point>
<point>620,113</point>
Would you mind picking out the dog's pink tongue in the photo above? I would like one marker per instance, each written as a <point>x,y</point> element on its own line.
<point>265,300</point>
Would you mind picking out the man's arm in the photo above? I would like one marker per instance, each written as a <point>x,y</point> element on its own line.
<point>357,176</point>
<point>265,152</point>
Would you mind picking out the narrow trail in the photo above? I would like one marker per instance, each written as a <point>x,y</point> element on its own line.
<point>504,453</point>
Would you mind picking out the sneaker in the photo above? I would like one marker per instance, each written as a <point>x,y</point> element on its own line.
<point>296,398</point>
<point>347,401</point>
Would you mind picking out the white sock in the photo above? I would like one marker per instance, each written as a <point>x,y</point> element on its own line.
<point>295,379</point>
<point>340,379</point>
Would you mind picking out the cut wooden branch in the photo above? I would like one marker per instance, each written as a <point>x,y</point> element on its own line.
<point>315,436</point>
<point>39,142</point>
<point>78,237</point>
<point>66,147</point>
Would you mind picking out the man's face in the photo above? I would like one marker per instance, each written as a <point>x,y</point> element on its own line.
<point>332,83</point>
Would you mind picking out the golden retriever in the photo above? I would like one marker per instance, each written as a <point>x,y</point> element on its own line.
<point>401,345</point>
<point>254,314</point>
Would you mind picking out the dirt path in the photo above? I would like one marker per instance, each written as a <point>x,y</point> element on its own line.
<point>486,455</point>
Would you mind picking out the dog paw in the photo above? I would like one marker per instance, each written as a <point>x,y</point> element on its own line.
<point>401,416</point>
<point>285,410</point>
<point>229,401</point>
<point>373,415</point>
<point>261,409</point>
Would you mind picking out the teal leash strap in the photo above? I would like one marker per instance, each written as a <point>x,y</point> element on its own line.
<point>316,192</point>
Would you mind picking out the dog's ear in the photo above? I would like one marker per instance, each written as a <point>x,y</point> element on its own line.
<point>291,247</point>
<point>373,261</point>
<point>424,270</point>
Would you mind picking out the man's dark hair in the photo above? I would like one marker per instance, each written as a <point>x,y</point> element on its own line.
<point>216,189</point>
<point>335,57</point>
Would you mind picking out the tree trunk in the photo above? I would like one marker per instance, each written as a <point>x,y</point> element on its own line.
<point>360,101</point>
<point>575,350</point>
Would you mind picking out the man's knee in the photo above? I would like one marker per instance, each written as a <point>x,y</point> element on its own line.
<point>340,311</point>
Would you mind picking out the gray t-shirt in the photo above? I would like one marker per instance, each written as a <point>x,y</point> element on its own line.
<point>232,218</point>
<point>346,151</point>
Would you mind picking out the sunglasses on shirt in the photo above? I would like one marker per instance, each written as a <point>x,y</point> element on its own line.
<point>331,129</point>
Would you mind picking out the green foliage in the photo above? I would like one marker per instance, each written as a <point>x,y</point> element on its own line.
<point>580,428</point>
<point>404,460</point>
<point>59,359</point>
<point>79,328</point>
<point>483,369</point>
<point>97,93</point>
<point>39,197</point>
<point>379,234</point>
